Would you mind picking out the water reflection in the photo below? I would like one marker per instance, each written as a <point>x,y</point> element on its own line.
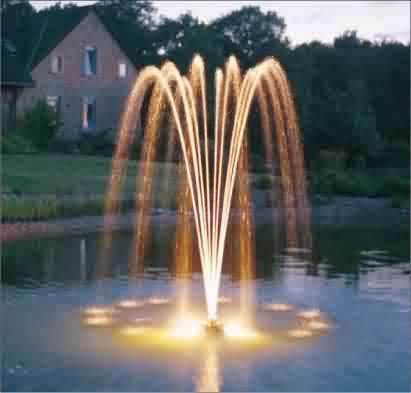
<point>346,252</point>
<point>359,279</point>
<point>209,378</point>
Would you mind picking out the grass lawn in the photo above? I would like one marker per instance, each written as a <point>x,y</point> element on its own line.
<point>57,185</point>
<point>67,174</point>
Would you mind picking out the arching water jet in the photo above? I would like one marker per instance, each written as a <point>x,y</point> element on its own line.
<point>211,176</point>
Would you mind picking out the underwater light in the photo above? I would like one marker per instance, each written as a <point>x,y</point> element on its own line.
<point>236,330</point>
<point>186,328</point>
<point>213,327</point>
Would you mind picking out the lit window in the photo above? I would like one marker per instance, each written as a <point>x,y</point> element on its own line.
<point>90,61</point>
<point>56,64</point>
<point>122,70</point>
<point>89,113</point>
<point>54,104</point>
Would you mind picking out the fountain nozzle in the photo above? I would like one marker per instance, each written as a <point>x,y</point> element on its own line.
<point>214,327</point>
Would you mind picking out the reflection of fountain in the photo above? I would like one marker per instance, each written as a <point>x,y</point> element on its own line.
<point>212,177</point>
<point>209,378</point>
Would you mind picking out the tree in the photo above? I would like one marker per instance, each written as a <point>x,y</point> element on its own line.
<point>180,39</point>
<point>132,22</point>
<point>17,23</point>
<point>252,34</point>
<point>388,78</point>
<point>138,12</point>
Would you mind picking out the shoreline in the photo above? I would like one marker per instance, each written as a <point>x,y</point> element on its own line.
<point>333,211</point>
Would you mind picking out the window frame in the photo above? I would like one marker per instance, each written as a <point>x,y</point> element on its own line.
<point>87,62</point>
<point>56,66</point>
<point>86,102</point>
<point>122,66</point>
<point>54,103</point>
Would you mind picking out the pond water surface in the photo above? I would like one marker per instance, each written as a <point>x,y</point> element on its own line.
<point>358,275</point>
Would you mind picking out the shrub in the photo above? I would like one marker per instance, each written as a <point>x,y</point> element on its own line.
<point>101,143</point>
<point>395,186</point>
<point>397,202</point>
<point>359,183</point>
<point>333,181</point>
<point>14,143</point>
<point>39,125</point>
<point>64,146</point>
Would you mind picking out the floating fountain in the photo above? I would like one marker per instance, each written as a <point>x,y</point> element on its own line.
<point>216,167</point>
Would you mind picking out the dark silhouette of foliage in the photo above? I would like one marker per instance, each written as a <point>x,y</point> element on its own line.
<point>352,96</point>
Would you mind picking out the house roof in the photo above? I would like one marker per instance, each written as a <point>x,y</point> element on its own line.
<point>13,72</point>
<point>54,30</point>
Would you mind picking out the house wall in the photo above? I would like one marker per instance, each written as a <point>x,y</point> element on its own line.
<point>71,85</point>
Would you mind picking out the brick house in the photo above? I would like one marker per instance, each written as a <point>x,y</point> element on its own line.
<point>83,70</point>
<point>14,79</point>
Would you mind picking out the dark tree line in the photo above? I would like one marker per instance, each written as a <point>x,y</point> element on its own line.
<point>353,96</point>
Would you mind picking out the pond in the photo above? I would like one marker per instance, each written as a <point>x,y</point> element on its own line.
<point>357,274</point>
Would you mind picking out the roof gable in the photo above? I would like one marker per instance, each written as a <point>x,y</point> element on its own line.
<point>52,32</point>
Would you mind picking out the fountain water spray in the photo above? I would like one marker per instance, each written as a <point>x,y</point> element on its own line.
<point>211,174</point>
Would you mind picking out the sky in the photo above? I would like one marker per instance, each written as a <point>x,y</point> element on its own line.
<point>306,20</point>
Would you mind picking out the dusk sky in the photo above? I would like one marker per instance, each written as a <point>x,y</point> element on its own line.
<point>306,20</point>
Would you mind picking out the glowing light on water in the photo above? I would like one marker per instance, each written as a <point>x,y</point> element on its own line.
<point>129,303</point>
<point>158,300</point>
<point>101,320</point>
<point>98,311</point>
<point>279,307</point>
<point>236,330</point>
<point>186,328</point>
<point>318,325</point>
<point>310,313</point>
<point>209,379</point>
<point>133,330</point>
<point>300,333</point>
<point>211,175</point>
